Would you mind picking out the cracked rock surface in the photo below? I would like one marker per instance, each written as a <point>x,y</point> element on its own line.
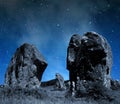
<point>26,67</point>
<point>89,59</point>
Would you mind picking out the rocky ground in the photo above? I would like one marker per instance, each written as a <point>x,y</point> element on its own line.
<point>49,94</point>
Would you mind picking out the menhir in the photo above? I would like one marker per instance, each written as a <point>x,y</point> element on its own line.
<point>26,67</point>
<point>89,61</point>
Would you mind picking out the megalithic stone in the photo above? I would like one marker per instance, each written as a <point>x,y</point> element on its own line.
<point>26,67</point>
<point>89,57</point>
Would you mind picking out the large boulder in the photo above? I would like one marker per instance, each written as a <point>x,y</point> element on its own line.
<point>26,67</point>
<point>89,59</point>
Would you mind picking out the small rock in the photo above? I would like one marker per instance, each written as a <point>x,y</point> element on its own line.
<point>59,81</point>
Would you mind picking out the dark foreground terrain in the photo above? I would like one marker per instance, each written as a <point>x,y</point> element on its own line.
<point>49,94</point>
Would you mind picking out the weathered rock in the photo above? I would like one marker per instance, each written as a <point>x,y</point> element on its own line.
<point>26,67</point>
<point>72,51</point>
<point>115,84</point>
<point>89,57</point>
<point>59,81</point>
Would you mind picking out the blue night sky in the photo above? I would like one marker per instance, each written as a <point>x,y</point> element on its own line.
<point>49,24</point>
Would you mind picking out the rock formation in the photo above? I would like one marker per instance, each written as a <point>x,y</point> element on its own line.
<point>89,60</point>
<point>59,81</point>
<point>26,67</point>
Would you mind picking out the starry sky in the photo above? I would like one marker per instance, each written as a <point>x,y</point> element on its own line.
<point>49,24</point>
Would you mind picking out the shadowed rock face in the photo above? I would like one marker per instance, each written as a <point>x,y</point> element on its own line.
<point>89,59</point>
<point>26,67</point>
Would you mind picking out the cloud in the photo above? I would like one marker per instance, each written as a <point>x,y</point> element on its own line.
<point>35,35</point>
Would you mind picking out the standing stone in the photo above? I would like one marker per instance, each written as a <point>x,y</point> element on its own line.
<point>26,67</point>
<point>89,57</point>
<point>72,52</point>
<point>59,81</point>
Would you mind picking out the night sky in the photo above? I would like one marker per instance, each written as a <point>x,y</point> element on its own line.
<point>49,24</point>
